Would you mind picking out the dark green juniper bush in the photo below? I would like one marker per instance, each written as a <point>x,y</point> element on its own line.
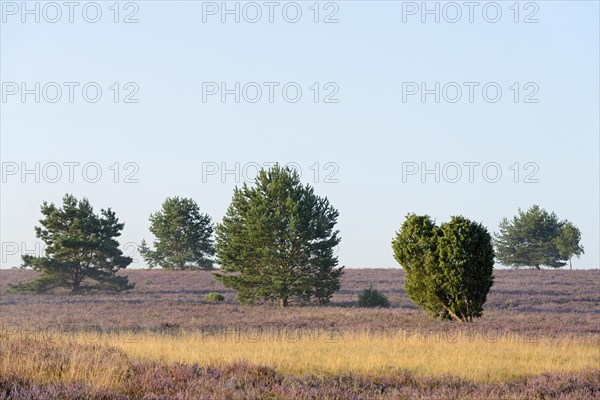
<point>81,251</point>
<point>449,268</point>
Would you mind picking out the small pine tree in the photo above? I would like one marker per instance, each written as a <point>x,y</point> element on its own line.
<point>183,237</point>
<point>568,243</point>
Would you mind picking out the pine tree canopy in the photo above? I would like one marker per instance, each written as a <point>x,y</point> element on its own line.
<point>277,240</point>
<point>81,251</point>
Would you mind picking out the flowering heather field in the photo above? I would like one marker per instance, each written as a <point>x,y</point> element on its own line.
<point>548,303</point>
<point>546,319</point>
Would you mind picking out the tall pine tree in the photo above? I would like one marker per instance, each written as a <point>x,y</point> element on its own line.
<point>276,242</point>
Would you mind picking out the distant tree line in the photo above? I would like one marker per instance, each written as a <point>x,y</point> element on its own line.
<point>276,244</point>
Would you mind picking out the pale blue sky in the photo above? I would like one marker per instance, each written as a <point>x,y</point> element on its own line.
<point>369,133</point>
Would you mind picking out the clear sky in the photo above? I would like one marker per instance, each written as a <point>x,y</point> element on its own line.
<point>366,135</point>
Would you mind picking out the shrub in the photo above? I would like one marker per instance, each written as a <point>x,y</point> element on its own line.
<point>449,268</point>
<point>214,297</point>
<point>169,326</point>
<point>371,297</point>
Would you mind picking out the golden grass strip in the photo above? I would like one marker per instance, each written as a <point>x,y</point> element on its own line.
<point>474,358</point>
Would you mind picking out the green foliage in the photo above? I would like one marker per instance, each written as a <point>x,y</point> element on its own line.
<point>276,242</point>
<point>183,237</point>
<point>568,243</point>
<point>81,252</point>
<point>371,297</point>
<point>214,297</point>
<point>536,238</point>
<point>149,282</point>
<point>449,269</point>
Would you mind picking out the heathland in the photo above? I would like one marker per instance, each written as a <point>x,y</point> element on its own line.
<point>539,338</point>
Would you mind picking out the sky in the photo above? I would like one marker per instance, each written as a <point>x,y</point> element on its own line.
<point>385,107</point>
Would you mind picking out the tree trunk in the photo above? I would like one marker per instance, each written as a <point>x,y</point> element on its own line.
<point>537,267</point>
<point>283,302</point>
<point>75,288</point>
<point>76,282</point>
<point>570,265</point>
<point>453,315</point>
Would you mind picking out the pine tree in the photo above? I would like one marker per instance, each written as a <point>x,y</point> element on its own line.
<point>81,252</point>
<point>276,242</point>
<point>183,237</point>
<point>534,238</point>
<point>568,243</point>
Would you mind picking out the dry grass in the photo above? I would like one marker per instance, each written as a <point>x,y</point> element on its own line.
<point>474,358</point>
<point>63,361</point>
